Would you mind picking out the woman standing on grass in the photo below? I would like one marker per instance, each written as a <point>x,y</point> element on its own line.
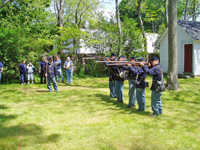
<point>30,68</point>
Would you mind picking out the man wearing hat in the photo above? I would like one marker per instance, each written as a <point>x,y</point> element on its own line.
<point>51,73</point>
<point>132,82</point>
<point>1,70</point>
<point>141,84</point>
<point>156,72</point>
<point>111,78</point>
<point>119,81</point>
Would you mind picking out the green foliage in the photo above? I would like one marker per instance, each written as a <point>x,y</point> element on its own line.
<point>107,33</point>
<point>26,32</point>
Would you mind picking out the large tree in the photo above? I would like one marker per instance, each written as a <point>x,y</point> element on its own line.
<point>172,74</point>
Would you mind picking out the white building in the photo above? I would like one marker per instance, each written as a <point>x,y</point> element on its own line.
<point>188,47</point>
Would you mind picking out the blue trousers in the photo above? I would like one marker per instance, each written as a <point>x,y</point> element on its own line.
<point>156,103</point>
<point>119,90</point>
<point>112,89</point>
<point>59,75</point>
<point>23,78</point>
<point>69,74</point>
<point>53,80</point>
<point>0,77</point>
<point>132,92</point>
<point>140,94</point>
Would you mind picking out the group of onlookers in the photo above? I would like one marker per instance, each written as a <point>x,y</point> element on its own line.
<point>45,70</point>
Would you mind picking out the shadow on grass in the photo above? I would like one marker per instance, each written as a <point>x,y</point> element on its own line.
<point>42,91</point>
<point>122,106</point>
<point>22,135</point>
<point>3,107</point>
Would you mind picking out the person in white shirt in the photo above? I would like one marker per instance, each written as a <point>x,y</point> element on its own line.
<point>30,69</point>
<point>69,70</point>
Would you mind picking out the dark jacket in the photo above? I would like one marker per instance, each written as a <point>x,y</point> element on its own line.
<point>51,70</point>
<point>43,66</point>
<point>113,71</point>
<point>155,72</point>
<point>141,83</point>
<point>22,68</point>
<point>133,71</point>
<point>118,70</point>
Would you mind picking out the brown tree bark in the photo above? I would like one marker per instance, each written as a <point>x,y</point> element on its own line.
<point>141,25</point>
<point>60,16</point>
<point>172,74</point>
<point>186,9</point>
<point>119,26</point>
<point>194,10</point>
<point>166,12</point>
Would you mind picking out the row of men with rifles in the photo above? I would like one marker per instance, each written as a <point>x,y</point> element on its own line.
<point>137,71</point>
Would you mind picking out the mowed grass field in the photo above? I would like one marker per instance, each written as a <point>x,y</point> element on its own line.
<point>81,116</point>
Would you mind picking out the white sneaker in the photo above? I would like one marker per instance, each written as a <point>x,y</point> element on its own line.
<point>32,83</point>
<point>28,83</point>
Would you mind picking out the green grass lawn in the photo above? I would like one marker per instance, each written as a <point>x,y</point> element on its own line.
<point>81,116</point>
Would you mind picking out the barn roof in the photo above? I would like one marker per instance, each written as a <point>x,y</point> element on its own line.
<point>192,28</point>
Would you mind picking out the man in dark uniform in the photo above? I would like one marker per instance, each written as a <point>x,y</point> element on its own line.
<point>111,78</point>
<point>132,82</point>
<point>42,70</point>
<point>141,84</point>
<point>156,71</point>
<point>119,80</point>
<point>51,73</point>
<point>23,71</point>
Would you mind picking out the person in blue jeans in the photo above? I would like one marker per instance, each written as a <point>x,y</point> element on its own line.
<point>51,73</point>
<point>69,70</point>
<point>1,70</point>
<point>57,62</point>
<point>23,71</point>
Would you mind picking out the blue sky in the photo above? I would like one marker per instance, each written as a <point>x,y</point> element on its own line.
<point>110,4</point>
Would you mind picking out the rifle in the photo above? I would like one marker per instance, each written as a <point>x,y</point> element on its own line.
<point>126,63</point>
<point>98,57</point>
<point>111,61</point>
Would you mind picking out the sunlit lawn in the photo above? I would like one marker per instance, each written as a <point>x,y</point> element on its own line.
<point>81,116</point>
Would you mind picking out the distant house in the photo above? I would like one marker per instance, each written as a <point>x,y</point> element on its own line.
<point>188,47</point>
<point>84,49</point>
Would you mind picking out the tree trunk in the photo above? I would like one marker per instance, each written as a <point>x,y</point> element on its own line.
<point>166,13</point>
<point>186,9</point>
<point>172,74</point>
<point>60,10</point>
<point>194,10</point>
<point>141,26</point>
<point>119,26</point>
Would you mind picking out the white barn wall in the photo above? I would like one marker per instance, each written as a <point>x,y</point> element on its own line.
<point>182,39</point>
<point>196,59</point>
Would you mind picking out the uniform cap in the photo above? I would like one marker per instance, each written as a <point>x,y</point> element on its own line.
<point>141,59</point>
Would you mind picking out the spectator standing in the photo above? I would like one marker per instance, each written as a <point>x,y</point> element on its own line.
<point>42,70</point>
<point>23,71</point>
<point>69,70</point>
<point>1,70</point>
<point>51,73</point>
<point>57,62</point>
<point>30,68</point>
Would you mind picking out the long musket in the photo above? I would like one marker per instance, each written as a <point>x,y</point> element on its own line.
<point>111,61</point>
<point>121,63</point>
<point>98,57</point>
